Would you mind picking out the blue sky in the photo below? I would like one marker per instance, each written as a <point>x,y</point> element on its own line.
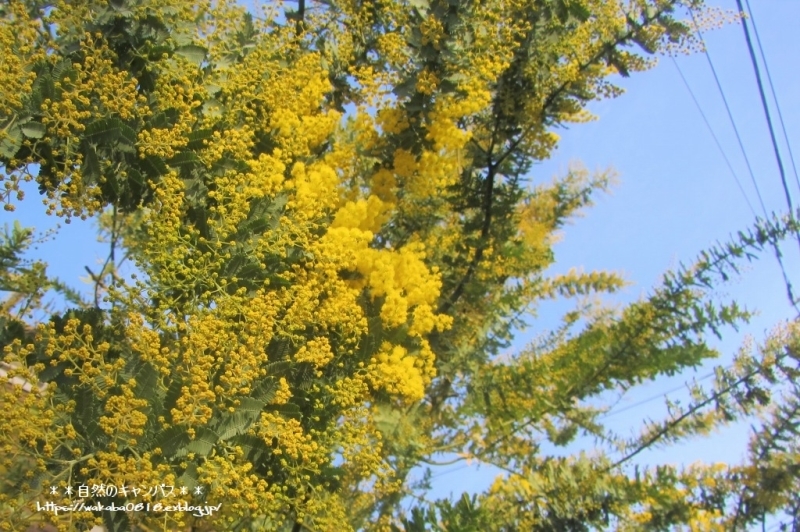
<point>675,197</point>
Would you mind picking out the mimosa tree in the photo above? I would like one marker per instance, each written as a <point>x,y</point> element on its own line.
<point>335,231</point>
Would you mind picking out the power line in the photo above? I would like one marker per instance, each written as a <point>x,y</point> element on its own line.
<point>454,470</point>
<point>763,97</point>
<point>775,246</point>
<point>716,140</point>
<point>730,117</point>
<point>772,90</point>
<point>662,395</point>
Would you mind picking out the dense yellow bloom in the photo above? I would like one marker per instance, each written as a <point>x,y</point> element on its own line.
<point>366,215</point>
<point>316,351</point>
<point>330,238</point>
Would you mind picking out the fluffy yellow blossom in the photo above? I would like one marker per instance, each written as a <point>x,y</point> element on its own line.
<point>395,371</point>
<point>366,215</point>
<point>316,351</point>
<point>283,393</point>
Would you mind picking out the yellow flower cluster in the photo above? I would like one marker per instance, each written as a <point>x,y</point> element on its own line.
<point>405,164</point>
<point>314,190</point>
<point>31,413</point>
<point>292,441</point>
<point>397,372</point>
<point>230,478</point>
<point>161,142</point>
<point>392,46</point>
<point>432,31</point>
<point>348,392</point>
<point>392,120</point>
<point>427,82</point>
<point>266,175</point>
<point>288,100</point>
<point>707,521</point>
<point>17,33</point>
<point>147,344</point>
<point>317,352</point>
<point>163,221</point>
<point>367,215</point>
<point>85,359</point>
<point>383,185</point>
<point>124,420</point>
<point>91,90</point>
<point>283,393</point>
<point>402,278</point>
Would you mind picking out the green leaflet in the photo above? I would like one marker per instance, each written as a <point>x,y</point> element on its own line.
<point>172,441</point>
<point>194,53</point>
<point>11,140</point>
<point>33,130</point>
<point>204,441</point>
<point>105,131</point>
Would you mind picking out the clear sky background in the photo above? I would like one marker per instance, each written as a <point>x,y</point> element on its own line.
<point>675,197</point>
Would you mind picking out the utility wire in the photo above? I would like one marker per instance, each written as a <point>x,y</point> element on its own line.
<point>443,473</point>
<point>763,96</point>
<point>612,413</point>
<point>730,116</point>
<point>775,246</point>
<point>607,415</point>
<point>772,89</point>
<point>716,140</point>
